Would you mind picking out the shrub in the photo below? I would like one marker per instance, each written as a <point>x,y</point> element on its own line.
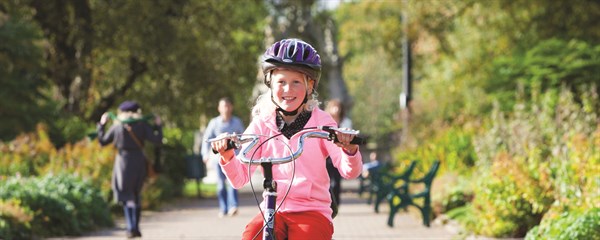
<point>26,154</point>
<point>509,200</point>
<point>546,153</point>
<point>61,205</point>
<point>452,146</point>
<point>14,220</point>
<point>569,225</point>
<point>157,191</point>
<point>450,191</point>
<point>33,154</point>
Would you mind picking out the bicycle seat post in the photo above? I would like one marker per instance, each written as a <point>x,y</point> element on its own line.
<point>270,187</point>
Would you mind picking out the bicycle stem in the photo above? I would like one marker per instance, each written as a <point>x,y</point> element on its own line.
<point>270,189</point>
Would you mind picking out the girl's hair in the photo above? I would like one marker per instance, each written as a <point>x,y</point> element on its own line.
<point>264,107</point>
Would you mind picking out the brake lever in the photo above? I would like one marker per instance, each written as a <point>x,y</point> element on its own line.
<point>231,143</point>
<point>345,131</point>
<point>333,135</point>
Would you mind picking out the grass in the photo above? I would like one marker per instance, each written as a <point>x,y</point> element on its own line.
<point>206,190</point>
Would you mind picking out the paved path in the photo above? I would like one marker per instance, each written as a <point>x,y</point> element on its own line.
<point>197,219</point>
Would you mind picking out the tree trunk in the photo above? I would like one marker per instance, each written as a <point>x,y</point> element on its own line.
<point>69,53</point>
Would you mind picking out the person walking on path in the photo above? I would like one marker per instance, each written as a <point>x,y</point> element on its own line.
<point>128,134</point>
<point>372,165</point>
<point>225,122</point>
<point>292,69</point>
<point>336,109</point>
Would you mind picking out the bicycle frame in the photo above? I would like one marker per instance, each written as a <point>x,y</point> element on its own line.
<point>270,186</point>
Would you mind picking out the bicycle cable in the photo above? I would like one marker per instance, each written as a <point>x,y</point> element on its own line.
<point>289,185</point>
<point>254,192</point>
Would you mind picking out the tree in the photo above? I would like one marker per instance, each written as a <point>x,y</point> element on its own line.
<point>175,57</point>
<point>305,20</point>
<point>370,41</point>
<point>23,100</point>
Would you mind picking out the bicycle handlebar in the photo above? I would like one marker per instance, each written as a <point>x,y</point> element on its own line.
<point>325,132</point>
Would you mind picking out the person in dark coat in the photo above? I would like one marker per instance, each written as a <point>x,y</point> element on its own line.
<point>128,134</point>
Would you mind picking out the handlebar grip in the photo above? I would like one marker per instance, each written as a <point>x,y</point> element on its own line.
<point>230,145</point>
<point>358,140</point>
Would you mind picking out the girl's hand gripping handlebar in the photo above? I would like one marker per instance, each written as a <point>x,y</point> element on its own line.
<point>344,138</point>
<point>232,141</point>
<point>333,133</point>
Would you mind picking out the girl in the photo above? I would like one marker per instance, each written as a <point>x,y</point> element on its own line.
<point>292,69</point>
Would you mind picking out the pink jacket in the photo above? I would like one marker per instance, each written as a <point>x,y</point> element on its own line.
<point>310,186</point>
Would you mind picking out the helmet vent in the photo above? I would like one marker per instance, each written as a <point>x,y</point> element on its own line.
<point>294,54</point>
<point>305,54</point>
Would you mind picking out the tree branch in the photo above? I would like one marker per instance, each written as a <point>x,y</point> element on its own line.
<point>137,68</point>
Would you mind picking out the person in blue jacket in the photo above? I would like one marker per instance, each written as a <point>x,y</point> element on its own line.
<point>226,122</point>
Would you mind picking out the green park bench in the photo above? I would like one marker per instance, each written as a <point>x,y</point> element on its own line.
<point>381,181</point>
<point>386,182</point>
<point>400,197</point>
<point>372,183</point>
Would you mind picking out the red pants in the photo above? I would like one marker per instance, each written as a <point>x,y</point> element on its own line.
<point>292,226</point>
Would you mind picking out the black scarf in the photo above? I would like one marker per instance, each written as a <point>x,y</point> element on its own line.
<point>288,130</point>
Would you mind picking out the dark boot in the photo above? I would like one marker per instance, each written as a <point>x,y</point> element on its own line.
<point>138,215</point>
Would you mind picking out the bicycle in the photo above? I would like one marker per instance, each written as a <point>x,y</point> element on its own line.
<point>270,186</point>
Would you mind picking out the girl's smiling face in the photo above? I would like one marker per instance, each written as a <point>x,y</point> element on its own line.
<point>289,88</point>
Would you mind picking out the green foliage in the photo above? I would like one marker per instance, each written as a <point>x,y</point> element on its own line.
<point>194,51</point>
<point>173,56</point>
<point>177,145</point>
<point>549,65</point>
<point>369,41</point>
<point>569,225</point>
<point>27,154</point>
<point>22,105</point>
<point>545,154</point>
<point>452,146</point>
<point>450,191</point>
<point>60,204</point>
<point>34,154</point>
<point>509,200</point>
<point>170,182</point>
<point>14,220</point>
<point>158,190</point>
<point>542,153</point>
<point>460,213</point>
<point>457,43</point>
<point>369,26</point>
<point>184,140</point>
<point>68,129</point>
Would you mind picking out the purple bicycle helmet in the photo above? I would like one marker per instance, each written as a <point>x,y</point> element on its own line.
<point>293,54</point>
